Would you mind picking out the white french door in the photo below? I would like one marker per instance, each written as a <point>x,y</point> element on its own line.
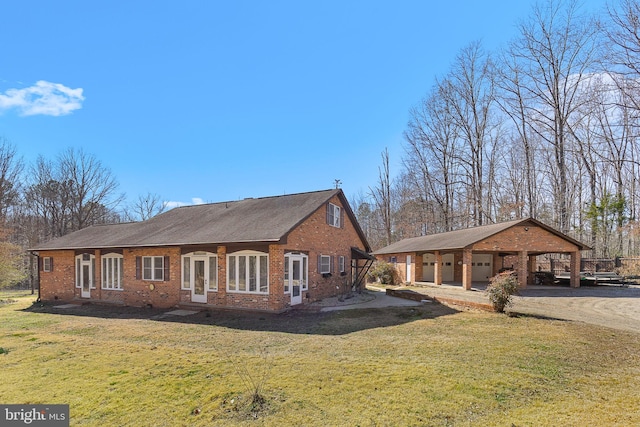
<point>84,274</point>
<point>296,271</point>
<point>199,278</point>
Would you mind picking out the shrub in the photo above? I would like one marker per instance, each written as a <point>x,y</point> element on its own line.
<point>501,287</point>
<point>382,272</point>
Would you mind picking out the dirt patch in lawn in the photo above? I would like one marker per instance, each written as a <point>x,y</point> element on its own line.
<point>295,321</point>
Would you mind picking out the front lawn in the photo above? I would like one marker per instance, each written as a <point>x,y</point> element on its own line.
<point>429,365</point>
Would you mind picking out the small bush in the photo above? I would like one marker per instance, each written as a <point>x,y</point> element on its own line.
<point>500,290</point>
<point>382,272</point>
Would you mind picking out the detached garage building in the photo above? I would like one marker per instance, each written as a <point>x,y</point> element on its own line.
<point>477,254</point>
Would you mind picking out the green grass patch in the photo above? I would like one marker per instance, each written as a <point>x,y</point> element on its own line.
<point>428,366</point>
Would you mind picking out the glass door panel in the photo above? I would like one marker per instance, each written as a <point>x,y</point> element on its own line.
<point>199,293</point>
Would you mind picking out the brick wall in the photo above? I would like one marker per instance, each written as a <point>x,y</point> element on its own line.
<point>141,293</point>
<point>315,237</point>
<point>59,284</point>
<point>525,238</point>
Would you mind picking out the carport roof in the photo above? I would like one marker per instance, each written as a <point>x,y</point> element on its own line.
<point>460,239</point>
<point>268,219</point>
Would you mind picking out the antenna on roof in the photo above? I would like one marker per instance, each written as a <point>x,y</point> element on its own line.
<point>337,182</point>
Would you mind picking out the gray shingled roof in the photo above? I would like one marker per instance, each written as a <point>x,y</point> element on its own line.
<point>460,239</point>
<point>267,219</point>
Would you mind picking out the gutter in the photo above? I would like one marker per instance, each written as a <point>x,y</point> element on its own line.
<point>35,254</point>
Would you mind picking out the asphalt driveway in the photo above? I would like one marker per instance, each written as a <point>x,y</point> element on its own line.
<point>614,307</point>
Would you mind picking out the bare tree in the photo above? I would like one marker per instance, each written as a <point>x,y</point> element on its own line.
<point>11,168</point>
<point>382,196</point>
<point>622,50</point>
<point>431,156</point>
<point>513,104</point>
<point>71,193</point>
<point>145,207</point>
<point>470,95</point>
<point>92,187</point>
<point>554,52</point>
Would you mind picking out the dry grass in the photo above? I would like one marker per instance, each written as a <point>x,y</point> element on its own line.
<point>405,366</point>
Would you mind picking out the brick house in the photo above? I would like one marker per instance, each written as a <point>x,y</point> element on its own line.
<point>261,254</point>
<point>479,253</point>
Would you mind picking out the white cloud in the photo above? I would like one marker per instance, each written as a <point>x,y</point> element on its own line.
<point>194,201</point>
<point>45,98</point>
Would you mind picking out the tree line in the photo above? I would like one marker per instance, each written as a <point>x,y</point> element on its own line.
<point>53,197</point>
<point>546,127</point>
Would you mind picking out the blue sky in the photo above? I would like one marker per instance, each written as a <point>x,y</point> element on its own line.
<point>214,101</point>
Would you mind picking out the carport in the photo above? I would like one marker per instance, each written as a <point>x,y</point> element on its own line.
<point>460,250</point>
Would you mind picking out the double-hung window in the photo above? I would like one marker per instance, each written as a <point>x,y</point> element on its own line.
<point>324,264</point>
<point>248,271</point>
<point>333,215</point>
<point>153,268</point>
<point>112,271</point>
<point>47,264</point>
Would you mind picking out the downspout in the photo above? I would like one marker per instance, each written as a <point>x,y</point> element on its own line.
<point>37,272</point>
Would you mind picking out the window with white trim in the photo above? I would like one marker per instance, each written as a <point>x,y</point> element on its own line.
<point>305,273</point>
<point>286,274</point>
<point>47,264</point>
<point>333,215</point>
<point>324,266</point>
<point>213,273</point>
<point>186,272</point>
<point>248,271</point>
<point>341,264</point>
<point>112,271</point>
<point>153,268</point>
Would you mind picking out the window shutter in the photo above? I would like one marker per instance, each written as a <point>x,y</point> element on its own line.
<point>341,217</point>
<point>331,264</point>
<point>51,264</point>
<point>138,268</point>
<point>319,263</point>
<point>166,269</point>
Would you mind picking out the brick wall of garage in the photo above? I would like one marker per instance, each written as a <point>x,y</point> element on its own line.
<point>525,238</point>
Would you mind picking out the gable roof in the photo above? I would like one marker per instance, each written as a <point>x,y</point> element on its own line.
<point>267,219</point>
<point>460,239</point>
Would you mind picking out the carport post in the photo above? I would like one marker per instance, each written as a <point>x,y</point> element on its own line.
<point>532,269</point>
<point>437,268</point>
<point>523,269</point>
<point>467,257</point>
<point>574,280</point>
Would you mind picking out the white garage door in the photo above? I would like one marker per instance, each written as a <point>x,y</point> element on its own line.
<point>481,267</point>
<point>428,267</point>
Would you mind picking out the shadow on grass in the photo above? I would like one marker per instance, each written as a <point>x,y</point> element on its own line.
<point>294,322</point>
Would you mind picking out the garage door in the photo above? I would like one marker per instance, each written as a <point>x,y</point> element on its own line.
<point>481,267</point>
<point>428,267</point>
